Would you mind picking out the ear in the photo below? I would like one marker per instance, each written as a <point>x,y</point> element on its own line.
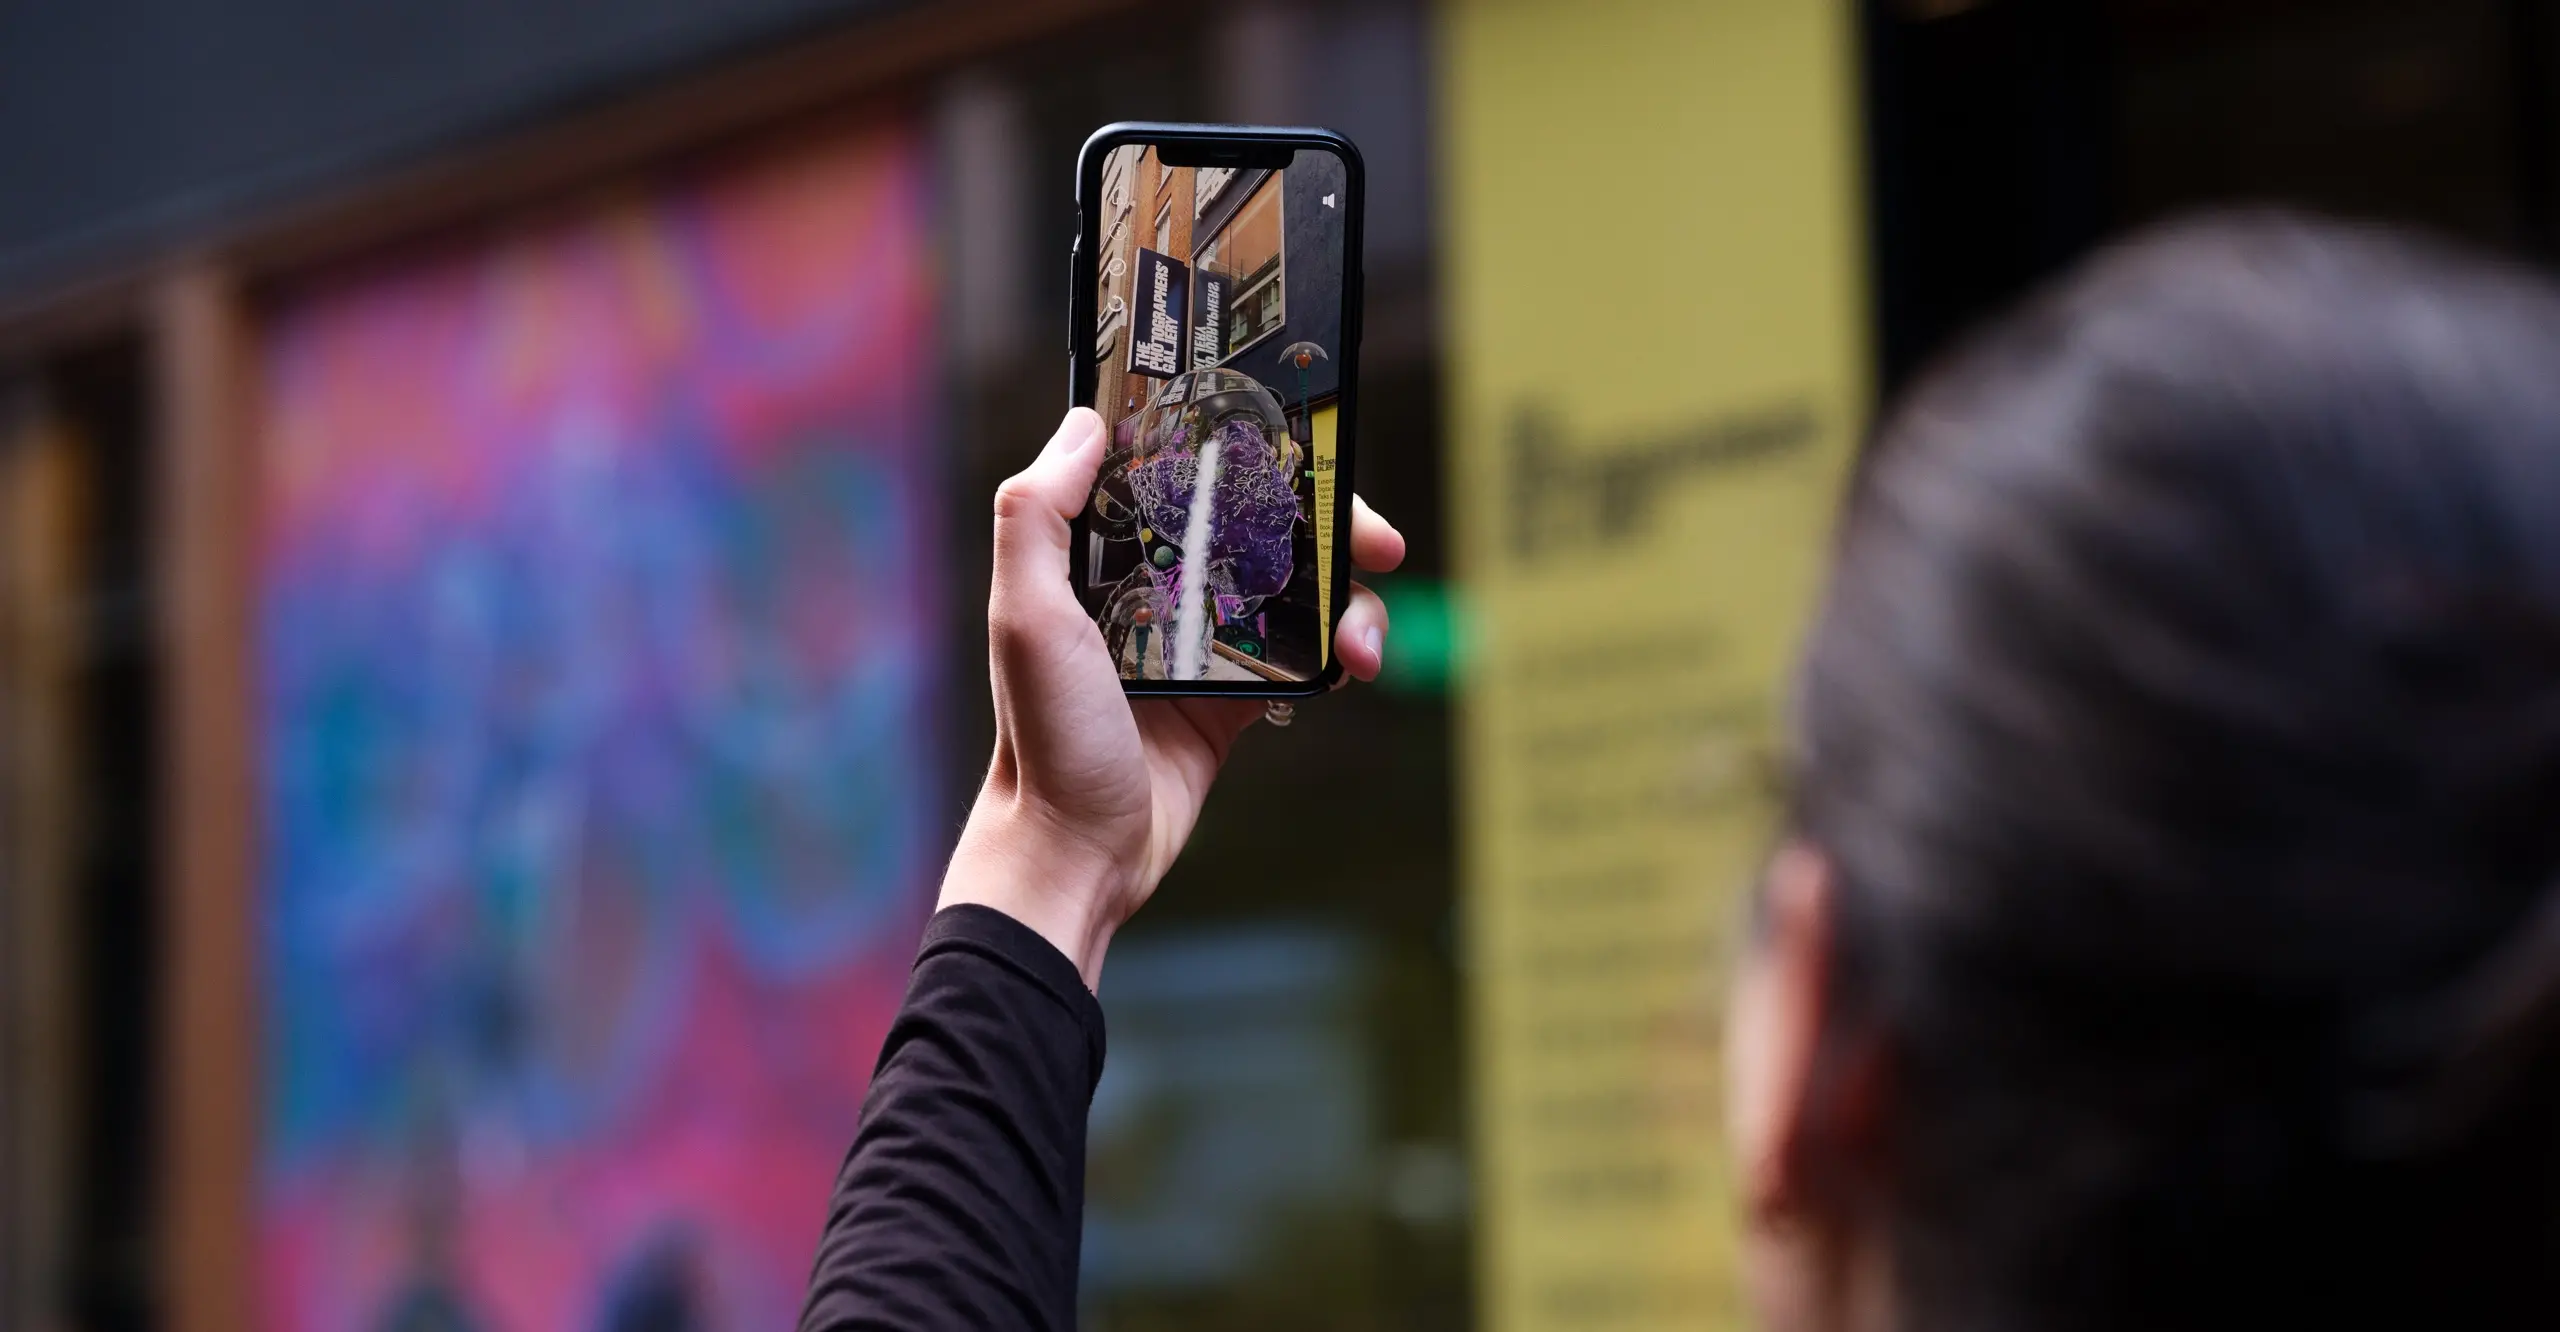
<point>1805,1094</point>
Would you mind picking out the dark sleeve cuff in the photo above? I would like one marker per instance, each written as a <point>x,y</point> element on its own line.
<point>999,938</point>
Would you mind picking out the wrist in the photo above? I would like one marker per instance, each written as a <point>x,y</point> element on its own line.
<point>1058,885</point>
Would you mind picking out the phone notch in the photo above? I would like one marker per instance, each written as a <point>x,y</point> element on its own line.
<point>1229,153</point>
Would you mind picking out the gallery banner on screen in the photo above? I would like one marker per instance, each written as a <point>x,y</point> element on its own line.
<point>599,667</point>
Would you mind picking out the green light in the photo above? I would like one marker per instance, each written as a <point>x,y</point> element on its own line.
<point>1426,638</point>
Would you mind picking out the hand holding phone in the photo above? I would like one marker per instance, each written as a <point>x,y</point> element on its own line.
<point>1216,326</point>
<point>1091,795</point>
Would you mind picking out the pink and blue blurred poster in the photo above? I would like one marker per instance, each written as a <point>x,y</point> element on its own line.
<point>600,643</point>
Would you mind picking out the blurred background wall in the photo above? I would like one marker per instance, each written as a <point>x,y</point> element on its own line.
<point>492,507</point>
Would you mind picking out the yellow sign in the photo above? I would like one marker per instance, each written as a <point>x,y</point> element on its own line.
<point>1321,427</point>
<point>1657,352</point>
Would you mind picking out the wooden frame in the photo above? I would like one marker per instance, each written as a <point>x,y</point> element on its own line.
<point>202,361</point>
<point>45,483</point>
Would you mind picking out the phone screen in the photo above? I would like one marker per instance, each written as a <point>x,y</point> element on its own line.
<point>1218,356</point>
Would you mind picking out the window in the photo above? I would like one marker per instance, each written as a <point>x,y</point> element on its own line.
<point>1116,170</point>
<point>1111,308</point>
<point>1205,185</point>
<point>1248,254</point>
<point>1164,228</point>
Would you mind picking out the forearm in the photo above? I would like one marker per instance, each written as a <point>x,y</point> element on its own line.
<point>961,1202</point>
<point>1014,858</point>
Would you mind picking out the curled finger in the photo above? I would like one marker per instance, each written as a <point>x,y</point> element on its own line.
<point>1360,639</point>
<point>1376,545</point>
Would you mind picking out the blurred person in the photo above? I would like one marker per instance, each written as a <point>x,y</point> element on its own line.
<point>432,1295</point>
<point>2167,931</point>
<point>659,1288</point>
<point>2166,928</point>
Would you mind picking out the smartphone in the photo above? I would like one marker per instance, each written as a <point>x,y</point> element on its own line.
<point>1215,326</point>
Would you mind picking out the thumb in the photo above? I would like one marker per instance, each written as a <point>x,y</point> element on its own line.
<point>1034,504</point>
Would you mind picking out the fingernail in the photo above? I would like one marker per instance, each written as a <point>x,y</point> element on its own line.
<point>1375,641</point>
<point>1068,434</point>
<point>1079,427</point>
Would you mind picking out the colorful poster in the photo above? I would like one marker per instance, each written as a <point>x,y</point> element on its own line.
<point>600,643</point>
<point>1639,534</point>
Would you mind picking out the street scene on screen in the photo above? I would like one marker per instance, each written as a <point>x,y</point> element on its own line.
<point>1218,321</point>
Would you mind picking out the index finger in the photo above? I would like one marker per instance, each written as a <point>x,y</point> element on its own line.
<point>1376,546</point>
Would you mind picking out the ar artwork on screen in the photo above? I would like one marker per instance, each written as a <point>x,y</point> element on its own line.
<point>1208,553</point>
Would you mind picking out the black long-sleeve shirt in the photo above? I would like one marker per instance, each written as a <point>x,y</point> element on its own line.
<point>961,1203</point>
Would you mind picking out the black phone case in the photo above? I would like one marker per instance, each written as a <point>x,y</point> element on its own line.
<point>1082,372</point>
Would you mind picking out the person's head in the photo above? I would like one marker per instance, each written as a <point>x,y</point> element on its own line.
<point>2170,911</point>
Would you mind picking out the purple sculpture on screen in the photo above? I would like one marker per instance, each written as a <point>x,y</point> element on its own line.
<point>1239,547</point>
